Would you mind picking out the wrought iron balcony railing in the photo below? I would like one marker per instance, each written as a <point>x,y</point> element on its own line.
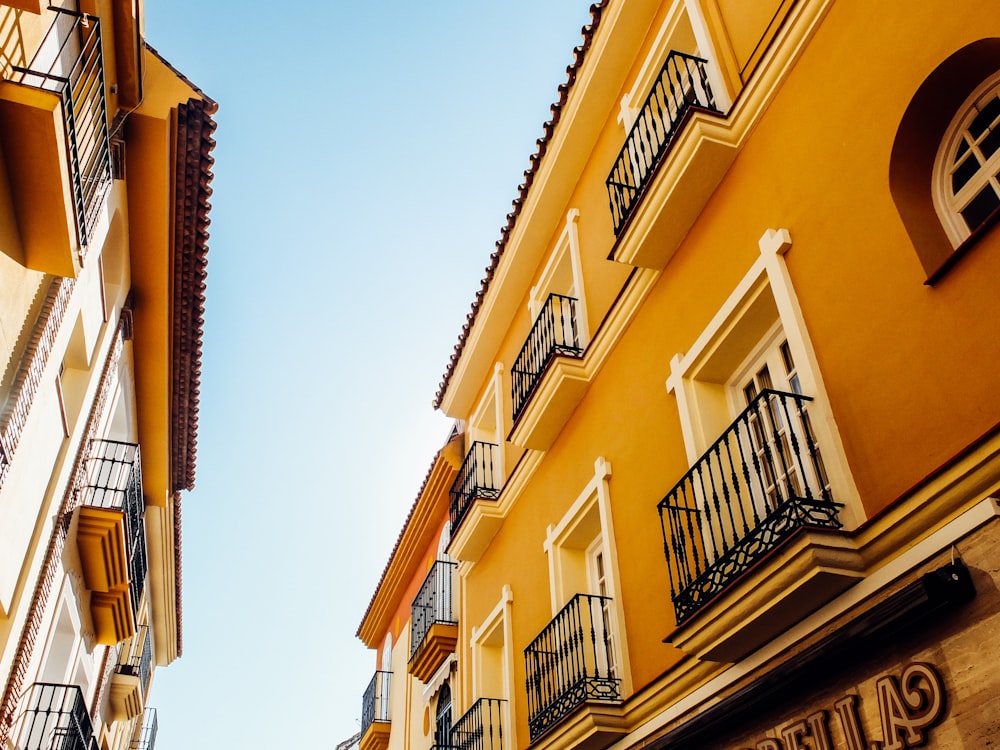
<point>55,717</point>
<point>570,662</point>
<point>760,482</point>
<point>375,702</point>
<point>145,736</point>
<point>477,479</point>
<point>433,604</point>
<point>682,84</point>
<point>555,331</point>
<point>113,479</point>
<point>481,727</point>
<point>70,62</point>
<point>136,658</point>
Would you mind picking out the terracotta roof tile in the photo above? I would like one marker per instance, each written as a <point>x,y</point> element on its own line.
<point>195,127</point>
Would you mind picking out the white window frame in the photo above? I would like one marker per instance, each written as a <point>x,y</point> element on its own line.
<point>691,13</point>
<point>585,527</point>
<point>496,626</point>
<point>384,709</point>
<point>947,204</point>
<point>486,423</point>
<point>701,379</point>
<point>564,260</point>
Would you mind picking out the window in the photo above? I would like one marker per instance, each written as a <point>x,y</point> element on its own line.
<point>382,709</point>
<point>758,342</point>
<point>754,416</point>
<point>442,718</point>
<point>967,169</point>
<point>944,162</point>
<point>581,550</point>
<point>492,665</point>
<point>486,724</point>
<point>776,436</point>
<point>558,308</point>
<point>600,586</point>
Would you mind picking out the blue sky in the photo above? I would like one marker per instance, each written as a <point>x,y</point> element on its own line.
<point>367,156</point>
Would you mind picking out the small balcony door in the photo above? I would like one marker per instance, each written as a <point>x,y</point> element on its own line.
<point>598,578</point>
<point>442,720</point>
<point>775,439</point>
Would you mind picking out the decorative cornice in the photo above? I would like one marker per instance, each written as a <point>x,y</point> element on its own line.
<point>193,178</point>
<point>579,53</point>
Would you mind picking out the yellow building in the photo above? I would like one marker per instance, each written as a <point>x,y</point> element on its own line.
<point>728,401</point>
<point>105,165</point>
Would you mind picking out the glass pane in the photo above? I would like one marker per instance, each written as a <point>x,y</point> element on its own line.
<point>989,113</point>
<point>964,172</point>
<point>979,208</point>
<point>990,143</point>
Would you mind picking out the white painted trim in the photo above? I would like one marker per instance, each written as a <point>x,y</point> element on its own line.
<point>768,275</point>
<point>594,498</point>
<point>567,249</point>
<point>689,11</point>
<point>946,204</point>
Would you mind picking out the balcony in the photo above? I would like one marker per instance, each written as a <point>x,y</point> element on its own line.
<point>145,736</point>
<point>111,537</point>
<point>682,84</point>
<point>555,331</point>
<point>130,680</point>
<point>54,126</point>
<point>477,480</point>
<point>481,727</point>
<point>571,663</point>
<point>375,713</point>
<point>54,717</point>
<point>754,515</point>
<point>674,157</point>
<point>433,627</point>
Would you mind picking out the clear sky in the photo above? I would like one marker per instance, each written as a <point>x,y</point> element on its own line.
<point>368,154</point>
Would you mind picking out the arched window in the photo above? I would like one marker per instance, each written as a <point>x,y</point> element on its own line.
<point>442,719</point>
<point>967,169</point>
<point>945,158</point>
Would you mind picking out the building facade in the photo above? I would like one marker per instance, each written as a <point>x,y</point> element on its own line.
<point>727,399</point>
<point>105,165</point>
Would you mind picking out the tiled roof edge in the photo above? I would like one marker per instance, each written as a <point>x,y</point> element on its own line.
<point>195,127</point>
<point>579,53</point>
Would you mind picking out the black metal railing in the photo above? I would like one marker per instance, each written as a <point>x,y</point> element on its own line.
<point>70,62</point>
<point>682,84</point>
<point>571,661</point>
<point>762,480</point>
<point>54,717</point>
<point>432,604</point>
<point>481,727</point>
<point>135,659</point>
<point>113,479</point>
<point>479,478</point>
<point>555,331</point>
<point>145,737</point>
<point>375,702</point>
